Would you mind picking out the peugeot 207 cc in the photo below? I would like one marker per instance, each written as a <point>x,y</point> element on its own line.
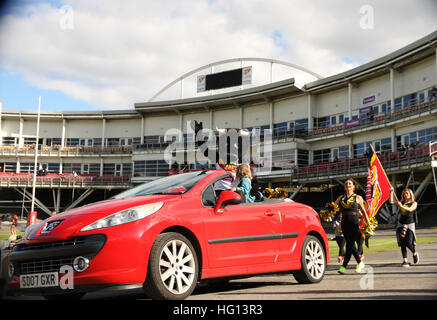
<point>168,235</point>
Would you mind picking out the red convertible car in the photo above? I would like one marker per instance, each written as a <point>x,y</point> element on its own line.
<point>168,235</point>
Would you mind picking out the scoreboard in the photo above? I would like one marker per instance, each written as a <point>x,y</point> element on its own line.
<point>225,79</point>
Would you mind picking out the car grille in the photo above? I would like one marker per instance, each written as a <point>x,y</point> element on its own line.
<point>51,256</point>
<point>45,265</point>
<point>47,245</point>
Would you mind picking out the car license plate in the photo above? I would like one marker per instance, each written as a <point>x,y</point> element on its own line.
<point>39,280</point>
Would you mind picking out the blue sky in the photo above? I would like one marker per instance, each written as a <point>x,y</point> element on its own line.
<point>17,94</point>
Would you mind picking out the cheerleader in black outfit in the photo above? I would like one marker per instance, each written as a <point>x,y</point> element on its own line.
<point>352,208</point>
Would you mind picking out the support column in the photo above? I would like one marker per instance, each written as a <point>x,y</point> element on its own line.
<point>211,119</point>
<point>241,117</point>
<point>64,122</point>
<point>143,120</point>
<point>20,136</point>
<point>393,140</point>
<point>392,89</point>
<point>423,185</point>
<point>435,80</point>
<point>103,133</point>
<point>310,113</point>
<point>271,116</point>
<point>349,99</point>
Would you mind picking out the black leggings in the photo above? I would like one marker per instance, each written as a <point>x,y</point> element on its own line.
<point>406,242</point>
<point>341,242</point>
<point>350,226</point>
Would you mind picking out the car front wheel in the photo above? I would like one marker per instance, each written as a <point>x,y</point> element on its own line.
<point>173,268</point>
<point>313,261</point>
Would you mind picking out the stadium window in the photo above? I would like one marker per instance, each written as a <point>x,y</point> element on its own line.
<point>72,142</point>
<point>139,168</point>
<point>9,141</point>
<point>27,167</point>
<point>413,137</point>
<point>398,104</point>
<point>94,168</point>
<point>333,120</point>
<point>406,140</point>
<point>323,155</point>
<point>10,167</point>
<point>127,169</point>
<point>343,152</point>
<point>376,110</point>
<point>113,142</point>
<point>279,128</point>
<point>341,118</point>
<point>109,169</point>
<point>398,142</point>
<point>56,142</point>
<point>301,126</point>
<point>384,108</point>
<point>302,158</point>
<point>70,167</point>
<point>29,141</point>
<point>358,149</point>
<point>53,167</point>
<point>422,97</point>
<point>385,144</point>
<point>377,146</point>
<point>136,141</point>
<point>97,142</point>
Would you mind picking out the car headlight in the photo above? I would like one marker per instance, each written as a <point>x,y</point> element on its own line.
<point>125,216</point>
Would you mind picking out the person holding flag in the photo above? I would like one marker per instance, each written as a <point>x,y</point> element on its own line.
<point>406,228</point>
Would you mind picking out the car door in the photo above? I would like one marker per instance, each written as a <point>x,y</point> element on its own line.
<point>243,234</point>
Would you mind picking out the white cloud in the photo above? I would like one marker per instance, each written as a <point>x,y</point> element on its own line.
<point>119,53</point>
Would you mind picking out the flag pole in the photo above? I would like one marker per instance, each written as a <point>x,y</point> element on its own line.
<point>36,155</point>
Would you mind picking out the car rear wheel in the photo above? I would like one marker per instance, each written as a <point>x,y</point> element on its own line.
<point>313,261</point>
<point>173,268</point>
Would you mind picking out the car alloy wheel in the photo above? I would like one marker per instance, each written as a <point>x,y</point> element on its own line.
<point>177,267</point>
<point>313,261</point>
<point>173,268</point>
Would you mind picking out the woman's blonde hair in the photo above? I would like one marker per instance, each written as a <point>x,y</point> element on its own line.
<point>411,194</point>
<point>243,170</point>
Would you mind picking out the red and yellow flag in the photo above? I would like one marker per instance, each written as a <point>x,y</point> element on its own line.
<point>378,186</point>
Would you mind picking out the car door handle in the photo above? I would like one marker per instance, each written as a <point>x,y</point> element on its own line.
<point>269,213</point>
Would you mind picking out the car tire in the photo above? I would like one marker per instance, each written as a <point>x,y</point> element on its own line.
<point>173,268</point>
<point>313,260</point>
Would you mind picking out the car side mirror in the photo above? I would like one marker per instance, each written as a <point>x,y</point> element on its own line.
<point>226,198</point>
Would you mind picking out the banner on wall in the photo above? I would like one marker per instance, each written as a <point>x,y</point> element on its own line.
<point>369,101</point>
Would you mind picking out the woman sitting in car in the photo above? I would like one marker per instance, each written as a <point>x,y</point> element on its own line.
<point>244,175</point>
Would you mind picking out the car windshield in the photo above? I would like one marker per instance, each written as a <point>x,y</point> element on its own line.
<point>175,184</point>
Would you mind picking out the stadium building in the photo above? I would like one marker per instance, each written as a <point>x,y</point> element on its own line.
<point>321,133</point>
